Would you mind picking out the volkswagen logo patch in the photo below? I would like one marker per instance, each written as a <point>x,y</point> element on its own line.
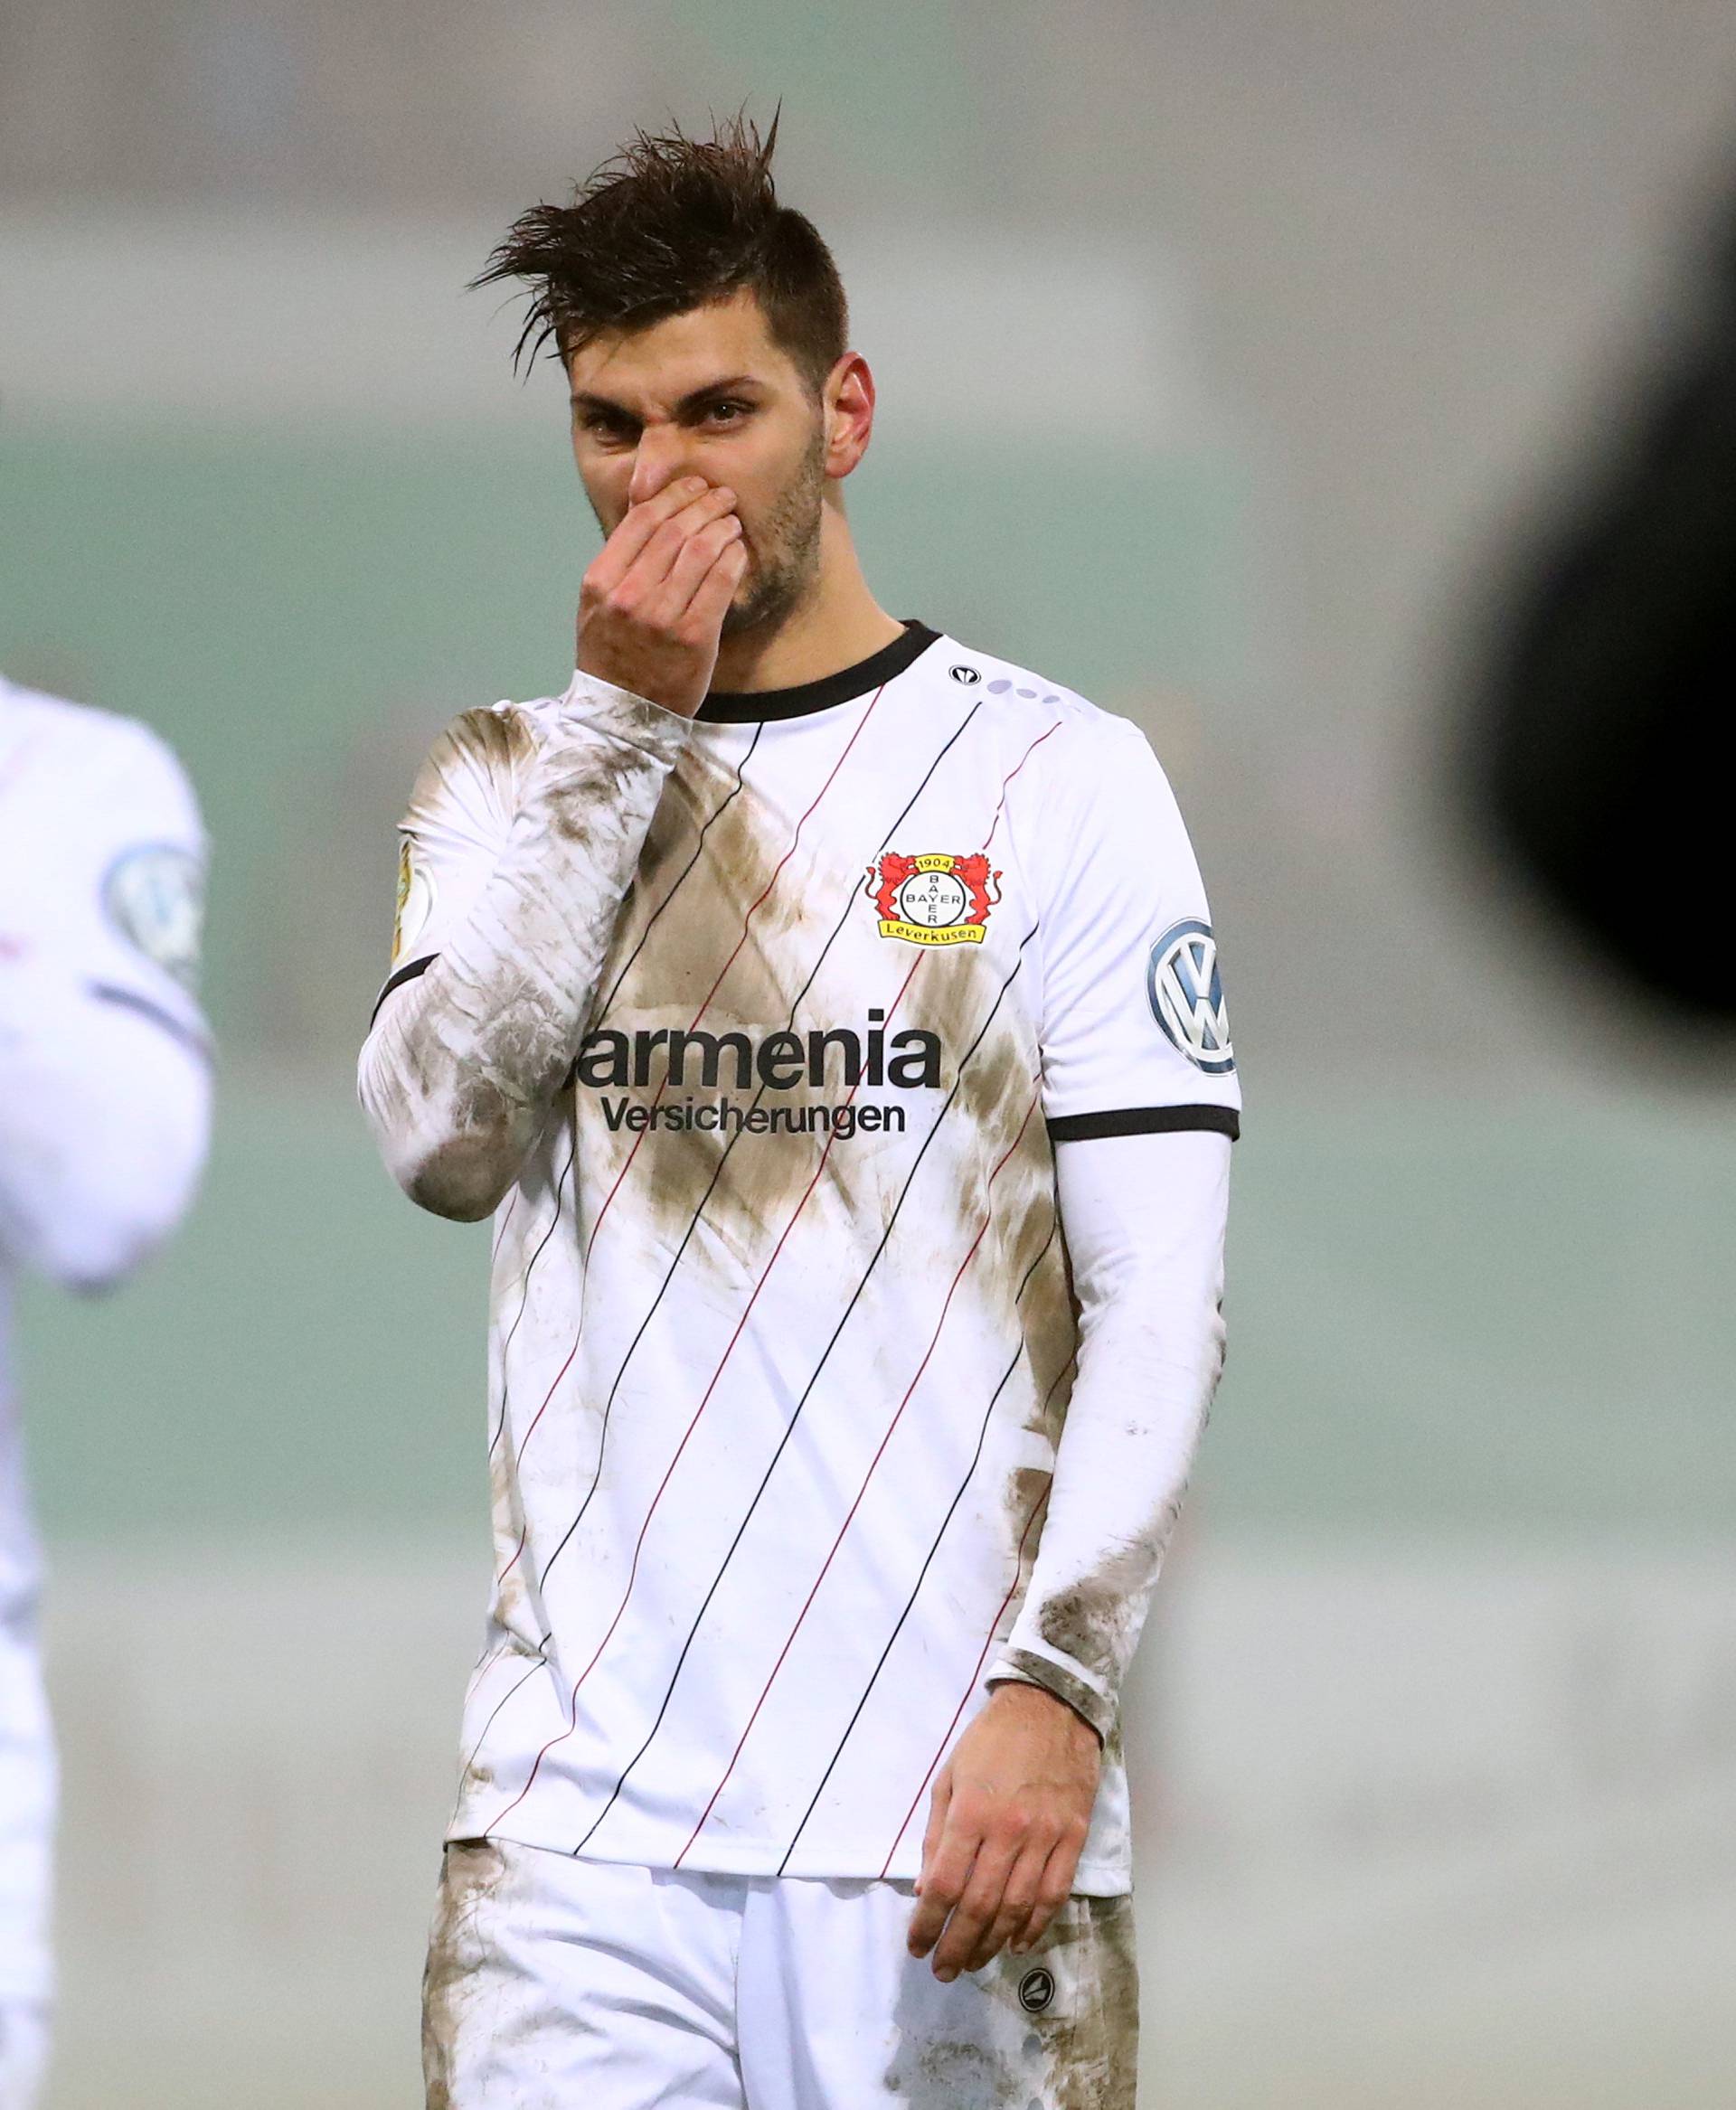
<point>1186,994</point>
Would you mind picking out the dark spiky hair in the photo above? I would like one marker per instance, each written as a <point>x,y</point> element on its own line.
<point>677,225</point>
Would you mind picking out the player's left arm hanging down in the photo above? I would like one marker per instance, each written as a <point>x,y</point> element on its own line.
<point>1142,1103</point>
<point>1144,1217</point>
<point>1141,1088</point>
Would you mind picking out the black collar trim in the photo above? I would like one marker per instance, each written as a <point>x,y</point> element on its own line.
<point>746,706</point>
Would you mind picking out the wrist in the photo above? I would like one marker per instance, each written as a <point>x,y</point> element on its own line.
<point>1017,1694</point>
<point>622,714</point>
<point>685,706</point>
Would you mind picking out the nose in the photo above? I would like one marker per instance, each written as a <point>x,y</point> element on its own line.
<point>657,461</point>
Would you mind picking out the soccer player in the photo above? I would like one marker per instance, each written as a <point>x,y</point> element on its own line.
<point>826,1010</point>
<point>105,1091</point>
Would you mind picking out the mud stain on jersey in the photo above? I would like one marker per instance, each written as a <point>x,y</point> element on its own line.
<point>1027,1497</point>
<point>480,761</point>
<point>472,1874</point>
<point>1092,1620</point>
<point>465,1086</point>
<point>680,927</point>
<point>734,916</point>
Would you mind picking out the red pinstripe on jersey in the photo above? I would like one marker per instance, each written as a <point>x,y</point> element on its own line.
<point>1037,1509</point>
<point>747,921</point>
<point>730,1148</point>
<point>850,1518</point>
<point>704,1401</point>
<point>916,1588</point>
<point>1000,805</point>
<point>808,1389</point>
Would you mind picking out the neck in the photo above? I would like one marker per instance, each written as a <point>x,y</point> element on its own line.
<point>837,622</point>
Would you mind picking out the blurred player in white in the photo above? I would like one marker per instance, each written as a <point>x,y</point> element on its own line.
<point>828,1010</point>
<point>105,1093</point>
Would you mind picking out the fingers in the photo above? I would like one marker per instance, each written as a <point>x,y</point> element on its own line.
<point>979,1901</point>
<point>640,523</point>
<point>1053,1887</point>
<point>706,566</point>
<point>651,607</point>
<point>643,524</point>
<point>937,1805</point>
<point>715,591</point>
<point>988,1887</point>
<point>968,1859</point>
<point>1019,1896</point>
<point>946,1856</point>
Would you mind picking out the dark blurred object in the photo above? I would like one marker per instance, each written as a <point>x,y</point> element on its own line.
<point>1592,755</point>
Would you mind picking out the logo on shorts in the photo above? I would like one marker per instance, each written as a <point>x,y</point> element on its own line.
<point>1186,994</point>
<point>933,899</point>
<point>1036,1990</point>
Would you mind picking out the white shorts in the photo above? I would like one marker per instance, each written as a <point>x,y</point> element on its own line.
<point>592,1985</point>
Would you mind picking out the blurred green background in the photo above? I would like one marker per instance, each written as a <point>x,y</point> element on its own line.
<point>1449,1310</point>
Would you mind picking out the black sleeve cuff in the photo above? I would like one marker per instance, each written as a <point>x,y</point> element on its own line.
<point>1144,1121</point>
<point>405,974</point>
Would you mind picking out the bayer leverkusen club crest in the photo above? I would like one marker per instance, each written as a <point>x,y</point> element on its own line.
<point>933,899</point>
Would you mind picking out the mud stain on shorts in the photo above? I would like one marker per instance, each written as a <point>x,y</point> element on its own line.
<point>471,1872</point>
<point>955,2074</point>
<point>1000,2040</point>
<point>1099,2069</point>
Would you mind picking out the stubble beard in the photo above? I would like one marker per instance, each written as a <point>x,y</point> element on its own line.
<point>782,573</point>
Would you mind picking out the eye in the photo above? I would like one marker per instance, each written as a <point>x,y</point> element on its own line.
<point>729,403</point>
<point>606,428</point>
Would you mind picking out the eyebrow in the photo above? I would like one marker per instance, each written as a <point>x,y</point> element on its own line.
<point>583,399</point>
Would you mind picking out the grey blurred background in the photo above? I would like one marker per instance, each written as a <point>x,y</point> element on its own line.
<point>1225,352</point>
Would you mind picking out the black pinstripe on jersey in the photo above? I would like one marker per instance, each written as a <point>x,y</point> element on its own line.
<point>723,805</point>
<point>916,1587</point>
<point>695,1218</point>
<point>808,1389</point>
<point>724,1156</point>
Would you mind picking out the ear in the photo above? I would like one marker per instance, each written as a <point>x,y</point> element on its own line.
<point>849,414</point>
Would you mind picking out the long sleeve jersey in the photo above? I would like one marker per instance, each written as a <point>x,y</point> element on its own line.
<point>104,1090</point>
<point>824,1390</point>
<point>105,1063</point>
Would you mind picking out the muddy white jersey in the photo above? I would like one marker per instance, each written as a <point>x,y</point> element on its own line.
<point>782,1338</point>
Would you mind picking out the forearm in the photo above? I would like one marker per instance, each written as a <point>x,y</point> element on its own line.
<point>1144,1217</point>
<point>457,1072</point>
<point>104,1119</point>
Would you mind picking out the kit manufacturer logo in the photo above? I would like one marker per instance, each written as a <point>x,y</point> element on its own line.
<point>937,899</point>
<point>1036,1990</point>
